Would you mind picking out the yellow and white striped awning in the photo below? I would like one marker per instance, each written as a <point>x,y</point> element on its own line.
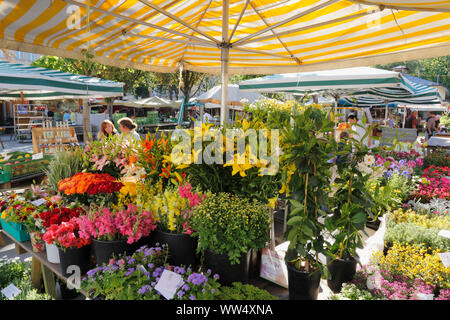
<point>263,36</point>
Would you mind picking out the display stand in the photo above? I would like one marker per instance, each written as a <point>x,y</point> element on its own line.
<point>25,117</point>
<point>50,139</point>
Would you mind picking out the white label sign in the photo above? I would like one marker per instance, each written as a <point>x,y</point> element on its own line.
<point>273,267</point>
<point>11,291</point>
<point>169,283</point>
<point>38,202</point>
<point>445,258</point>
<point>425,296</point>
<point>444,233</point>
<point>37,156</point>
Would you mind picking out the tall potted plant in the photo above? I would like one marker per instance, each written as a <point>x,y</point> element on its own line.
<point>351,206</point>
<point>228,228</point>
<point>307,148</point>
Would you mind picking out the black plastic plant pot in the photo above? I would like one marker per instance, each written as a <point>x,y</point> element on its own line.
<point>105,250</point>
<point>228,273</point>
<point>341,271</point>
<point>182,247</point>
<point>73,258</point>
<point>303,285</point>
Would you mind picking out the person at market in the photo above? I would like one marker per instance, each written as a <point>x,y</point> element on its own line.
<point>107,129</point>
<point>73,117</point>
<point>358,127</point>
<point>128,128</point>
<point>66,116</point>
<point>392,122</point>
<point>412,121</point>
<point>430,125</point>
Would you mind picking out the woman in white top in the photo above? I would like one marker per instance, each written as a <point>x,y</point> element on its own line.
<point>128,129</point>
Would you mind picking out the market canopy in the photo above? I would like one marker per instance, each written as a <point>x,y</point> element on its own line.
<point>362,86</point>
<point>152,102</point>
<point>45,84</point>
<point>235,96</point>
<point>228,37</point>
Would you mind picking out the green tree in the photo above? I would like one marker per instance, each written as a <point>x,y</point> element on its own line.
<point>433,69</point>
<point>131,78</point>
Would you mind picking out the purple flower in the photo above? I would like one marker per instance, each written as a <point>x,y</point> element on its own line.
<point>216,276</point>
<point>213,290</point>
<point>144,289</point>
<point>191,297</point>
<point>151,265</point>
<point>180,293</point>
<point>130,271</point>
<point>185,287</point>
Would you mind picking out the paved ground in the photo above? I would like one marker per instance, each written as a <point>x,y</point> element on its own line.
<point>10,144</point>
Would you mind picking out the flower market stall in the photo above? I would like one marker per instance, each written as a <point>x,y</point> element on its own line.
<point>199,206</point>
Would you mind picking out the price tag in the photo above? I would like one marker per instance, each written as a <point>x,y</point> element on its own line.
<point>38,202</point>
<point>169,283</point>
<point>37,156</point>
<point>425,296</point>
<point>445,258</point>
<point>444,233</point>
<point>11,291</point>
<point>273,267</point>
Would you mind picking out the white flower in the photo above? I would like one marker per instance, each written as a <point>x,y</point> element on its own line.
<point>369,159</point>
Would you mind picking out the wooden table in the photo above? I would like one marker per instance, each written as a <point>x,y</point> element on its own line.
<point>41,268</point>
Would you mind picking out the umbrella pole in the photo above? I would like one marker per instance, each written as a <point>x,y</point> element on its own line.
<point>225,52</point>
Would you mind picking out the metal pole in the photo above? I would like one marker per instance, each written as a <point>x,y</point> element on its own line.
<point>224,56</point>
<point>86,120</point>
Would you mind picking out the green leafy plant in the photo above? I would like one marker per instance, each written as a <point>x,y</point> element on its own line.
<point>18,273</point>
<point>64,165</point>
<point>351,203</point>
<point>351,291</point>
<point>241,291</point>
<point>227,224</point>
<point>306,175</point>
<point>410,233</point>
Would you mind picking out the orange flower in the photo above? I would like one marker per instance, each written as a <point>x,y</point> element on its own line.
<point>148,144</point>
<point>132,159</point>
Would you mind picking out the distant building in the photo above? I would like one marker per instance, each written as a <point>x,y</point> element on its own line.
<point>25,58</point>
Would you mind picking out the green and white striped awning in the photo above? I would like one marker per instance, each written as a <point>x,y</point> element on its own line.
<point>46,84</point>
<point>372,84</point>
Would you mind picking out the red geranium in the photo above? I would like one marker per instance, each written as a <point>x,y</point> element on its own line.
<point>65,235</point>
<point>56,216</point>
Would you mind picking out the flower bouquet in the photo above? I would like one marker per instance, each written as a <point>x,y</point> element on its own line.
<point>110,156</point>
<point>87,187</point>
<point>154,157</point>
<point>73,249</point>
<point>173,210</point>
<point>113,231</point>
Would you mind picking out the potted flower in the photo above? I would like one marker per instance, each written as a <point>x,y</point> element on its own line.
<point>351,206</point>
<point>173,211</point>
<point>87,187</point>
<point>113,231</point>
<point>16,211</point>
<point>74,250</point>
<point>308,146</point>
<point>53,214</point>
<point>228,228</point>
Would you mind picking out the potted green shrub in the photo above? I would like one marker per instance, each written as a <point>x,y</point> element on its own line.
<point>351,206</point>
<point>307,147</point>
<point>228,228</point>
